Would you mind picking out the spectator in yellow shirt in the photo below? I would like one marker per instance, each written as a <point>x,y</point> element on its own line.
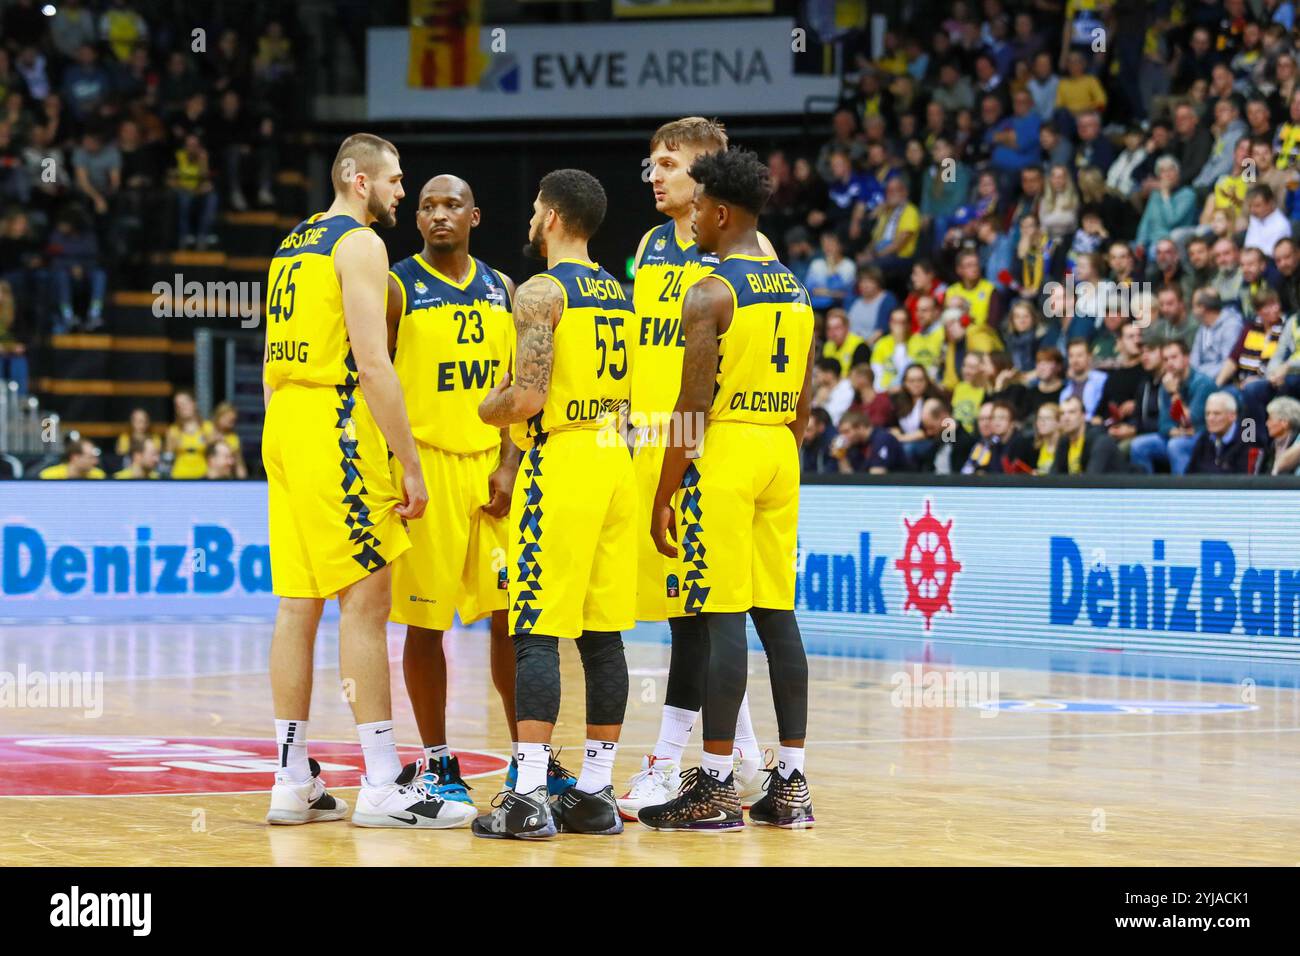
<point>80,461</point>
<point>139,425</point>
<point>1079,91</point>
<point>224,417</point>
<point>144,460</point>
<point>893,240</point>
<point>188,439</point>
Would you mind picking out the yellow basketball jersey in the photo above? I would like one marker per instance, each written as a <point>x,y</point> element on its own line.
<point>763,354</point>
<point>453,345</point>
<point>666,271</point>
<point>306,338</point>
<point>589,377</point>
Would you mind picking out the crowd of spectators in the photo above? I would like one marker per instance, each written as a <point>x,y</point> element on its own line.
<point>1057,237</point>
<point>122,135</point>
<point>190,448</point>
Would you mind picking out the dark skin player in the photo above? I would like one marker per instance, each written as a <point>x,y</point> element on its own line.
<point>445,217</point>
<point>725,229</point>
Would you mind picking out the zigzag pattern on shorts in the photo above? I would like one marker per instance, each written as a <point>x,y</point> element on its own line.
<point>692,511</point>
<point>353,485</point>
<point>528,566</point>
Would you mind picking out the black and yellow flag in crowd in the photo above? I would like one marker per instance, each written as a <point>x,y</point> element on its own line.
<point>445,44</point>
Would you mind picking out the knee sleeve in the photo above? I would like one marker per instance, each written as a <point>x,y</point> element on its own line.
<point>787,666</point>
<point>537,678</point>
<point>727,672</point>
<point>688,664</point>
<point>605,669</point>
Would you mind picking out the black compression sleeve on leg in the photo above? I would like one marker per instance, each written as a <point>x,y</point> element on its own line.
<point>728,667</point>
<point>787,665</point>
<point>688,663</point>
<point>537,678</point>
<point>605,668</point>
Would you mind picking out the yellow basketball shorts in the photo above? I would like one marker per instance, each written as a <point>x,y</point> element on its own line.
<point>571,546</point>
<point>330,494</point>
<point>738,520</point>
<point>458,554</point>
<point>653,570</point>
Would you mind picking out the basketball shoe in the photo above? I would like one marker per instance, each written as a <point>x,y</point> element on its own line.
<point>654,783</point>
<point>558,780</point>
<point>704,804</point>
<point>579,812</point>
<point>749,779</point>
<point>310,802</point>
<point>517,816</point>
<point>408,802</point>
<point>787,803</point>
<point>444,779</point>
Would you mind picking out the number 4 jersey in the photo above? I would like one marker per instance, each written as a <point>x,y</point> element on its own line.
<point>763,354</point>
<point>306,338</point>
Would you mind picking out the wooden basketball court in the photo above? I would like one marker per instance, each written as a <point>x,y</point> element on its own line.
<point>1050,779</point>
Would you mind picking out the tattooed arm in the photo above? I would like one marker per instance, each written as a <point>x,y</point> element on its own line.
<point>706,311</point>
<point>538,305</point>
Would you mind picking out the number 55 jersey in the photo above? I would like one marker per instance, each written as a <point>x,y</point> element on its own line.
<point>571,549</point>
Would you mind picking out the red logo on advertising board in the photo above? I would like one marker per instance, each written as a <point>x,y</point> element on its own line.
<point>148,766</point>
<point>928,566</point>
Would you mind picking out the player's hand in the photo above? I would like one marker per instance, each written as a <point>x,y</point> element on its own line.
<point>414,495</point>
<point>501,484</point>
<point>662,527</point>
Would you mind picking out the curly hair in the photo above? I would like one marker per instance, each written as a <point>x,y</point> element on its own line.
<point>578,197</point>
<point>735,176</point>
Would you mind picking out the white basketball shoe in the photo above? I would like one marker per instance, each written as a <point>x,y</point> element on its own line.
<point>408,803</point>
<point>310,802</point>
<point>655,783</point>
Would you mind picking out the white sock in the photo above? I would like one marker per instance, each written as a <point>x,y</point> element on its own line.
<point>380,750</point>
<point>674,733</point>
<point>716,765</point>
<point>788,760</point>
<point>514,747</point>
<point>532,760</point>
<point>432,754</point>
<point>597,766</point>
<point>746,742</point>
<point>291,735</point>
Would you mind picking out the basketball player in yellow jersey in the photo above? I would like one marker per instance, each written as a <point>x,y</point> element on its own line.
<point>449,320</point>
<point>748,367</point>
<point>668,263</point>
<point>334,409</point>
<point>573,510</point>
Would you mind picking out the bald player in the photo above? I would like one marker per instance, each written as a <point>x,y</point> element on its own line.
<point>450,329</point>
<point>334,411</point>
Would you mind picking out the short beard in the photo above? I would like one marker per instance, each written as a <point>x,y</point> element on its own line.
<point>383,215</point>
<point>534,249</point>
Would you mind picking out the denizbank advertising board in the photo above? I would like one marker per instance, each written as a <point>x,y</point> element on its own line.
<point>1035,573</point>
<point>1199,576</point>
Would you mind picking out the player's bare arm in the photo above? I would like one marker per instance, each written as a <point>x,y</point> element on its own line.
<point>538,305</point>
<point>804,408</point>
<point>393,312</point>
<point>705,311</point>
<point>361,262</point>
<point>501,482</point>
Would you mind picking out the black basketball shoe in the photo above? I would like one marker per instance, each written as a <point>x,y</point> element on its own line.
<point>787,803</point>
<point>704,804</point>
<point>517,816</point>
<point>594,813</point>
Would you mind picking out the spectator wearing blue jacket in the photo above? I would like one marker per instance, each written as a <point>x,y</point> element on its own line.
<point>1173,442</point>
<point>1170,207</point>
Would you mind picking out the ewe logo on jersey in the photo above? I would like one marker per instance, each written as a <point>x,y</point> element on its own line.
<point>84,766</point>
